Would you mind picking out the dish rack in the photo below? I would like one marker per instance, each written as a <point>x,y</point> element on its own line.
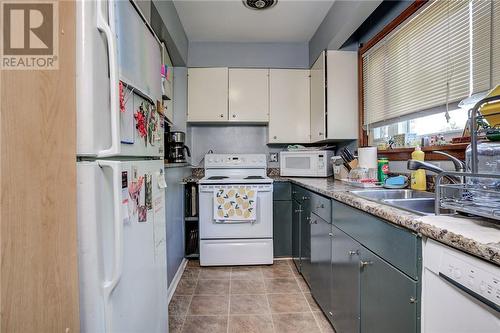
<point>471,195</point>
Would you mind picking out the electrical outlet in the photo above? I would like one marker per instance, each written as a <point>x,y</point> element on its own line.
<point>273,157</point>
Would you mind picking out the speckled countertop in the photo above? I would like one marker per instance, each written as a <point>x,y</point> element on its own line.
<point>475,236</point>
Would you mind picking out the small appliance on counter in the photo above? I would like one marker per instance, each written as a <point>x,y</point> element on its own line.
<point>176,146</point>
<point>306,163</point>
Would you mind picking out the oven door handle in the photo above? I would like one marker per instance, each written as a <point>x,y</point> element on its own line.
<point>472,293</point>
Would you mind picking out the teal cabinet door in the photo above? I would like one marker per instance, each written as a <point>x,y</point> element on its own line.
<point>321,272</point>
<point>305,243</point>
<point>282,228</point>
<point>296,212</point>
<point>388,297</point>
<point>345,283</point>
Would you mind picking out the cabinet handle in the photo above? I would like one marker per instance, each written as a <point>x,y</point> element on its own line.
<point>313,222</point>
<point>363,264</point>
<point>234,116</point>
<point>352,253</point>
<point>298,211</point>
<point>330,234</point>
<point>308,218</point>
<point>305,198</point>
<point>330,313</point>
<point>320,206</point>
<point>413,300</point>
<point>294,192</point>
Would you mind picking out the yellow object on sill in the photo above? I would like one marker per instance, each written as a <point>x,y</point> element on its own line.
<point>491,112</point>
<point>418,179</point>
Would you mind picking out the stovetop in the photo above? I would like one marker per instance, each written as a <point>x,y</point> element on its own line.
<point>236,179</point>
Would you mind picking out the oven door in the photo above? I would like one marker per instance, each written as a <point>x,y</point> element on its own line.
<point>261,228</point>
<point>299,165</point>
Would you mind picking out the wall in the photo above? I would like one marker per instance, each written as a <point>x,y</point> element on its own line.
<point>266,55</point>
<point>341,21</point>
<point>39,272</point>
<point>167,25</point>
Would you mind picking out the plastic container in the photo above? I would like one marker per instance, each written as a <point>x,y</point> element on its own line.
<point>418,179</point>
<point>488,158</point>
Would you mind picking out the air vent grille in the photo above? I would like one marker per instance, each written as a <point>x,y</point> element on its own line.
<point>259,4</point>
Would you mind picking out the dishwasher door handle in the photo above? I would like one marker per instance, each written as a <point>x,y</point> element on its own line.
<point>472,293</point>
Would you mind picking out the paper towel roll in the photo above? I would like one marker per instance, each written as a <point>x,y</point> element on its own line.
<point>367,157</point>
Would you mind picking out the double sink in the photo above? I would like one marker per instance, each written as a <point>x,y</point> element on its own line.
<point>418,202</point>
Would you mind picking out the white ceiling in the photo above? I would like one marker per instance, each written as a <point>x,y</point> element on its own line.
<point>230,21</point>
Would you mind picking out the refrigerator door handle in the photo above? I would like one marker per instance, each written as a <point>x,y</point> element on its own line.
<point>105,28</point>
<point>109,285</point>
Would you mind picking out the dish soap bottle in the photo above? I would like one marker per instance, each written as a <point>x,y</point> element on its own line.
<point>418,181</point>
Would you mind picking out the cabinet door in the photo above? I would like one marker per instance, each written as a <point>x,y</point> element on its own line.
<point>318,99</point>
<point>282,228</point>
<point>345,282</point>
<point>305,244</point>
<point>388,297</point>
<point>342,95</point>
<point>289,106</point>
<point>321,273</point>
<point>296,212</point>
<point>207,94</point>
<point>249,95</point>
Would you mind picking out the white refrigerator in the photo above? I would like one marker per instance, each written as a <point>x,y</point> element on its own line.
<point>121,186</point>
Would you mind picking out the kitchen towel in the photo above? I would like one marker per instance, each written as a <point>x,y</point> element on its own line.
<point>235,204</point>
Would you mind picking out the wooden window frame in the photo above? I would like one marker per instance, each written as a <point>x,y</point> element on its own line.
<point>399,154</point>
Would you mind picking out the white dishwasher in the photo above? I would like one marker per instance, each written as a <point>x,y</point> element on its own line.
<point>460,293</point>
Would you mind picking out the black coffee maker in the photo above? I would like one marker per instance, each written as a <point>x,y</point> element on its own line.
<point>176,147</point>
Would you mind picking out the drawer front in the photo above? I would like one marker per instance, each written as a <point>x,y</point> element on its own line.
<point>282,191</point>
<point>321,206</point>
<point>400,247</point>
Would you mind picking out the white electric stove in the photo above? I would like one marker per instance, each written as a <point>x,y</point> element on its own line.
<point>236,242</point>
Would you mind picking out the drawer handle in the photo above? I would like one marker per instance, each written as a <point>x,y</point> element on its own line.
<point>320,206</point>
<point>330,234</point>
<point>363,264</point>
<point>352,253</point>
<point>313,222</point>
<point>305,198</point>
<point>298,211</point>
<point>413,300</point>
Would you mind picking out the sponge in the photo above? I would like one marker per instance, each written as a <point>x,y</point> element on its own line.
<point>396,181</point>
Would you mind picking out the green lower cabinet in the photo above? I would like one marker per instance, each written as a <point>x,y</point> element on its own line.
<point>282,228</point>
<point>388,297</point>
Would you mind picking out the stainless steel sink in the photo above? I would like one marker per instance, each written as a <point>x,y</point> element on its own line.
<point>417,202</point>
<point>383,194</point>
<point>424,206</point>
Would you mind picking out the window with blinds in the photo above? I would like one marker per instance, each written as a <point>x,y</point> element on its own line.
<point>444,53</point>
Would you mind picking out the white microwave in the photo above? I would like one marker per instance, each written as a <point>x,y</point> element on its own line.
<point>308,163</point>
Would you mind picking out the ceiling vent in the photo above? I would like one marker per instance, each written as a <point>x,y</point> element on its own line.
<point>259,4</point>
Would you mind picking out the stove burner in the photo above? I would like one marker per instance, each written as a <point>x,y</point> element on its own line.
<point>217,177</point>
<point>254,177</point>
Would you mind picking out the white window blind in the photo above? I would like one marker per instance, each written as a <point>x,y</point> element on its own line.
<point>495,44</point>
<point>440,55</point>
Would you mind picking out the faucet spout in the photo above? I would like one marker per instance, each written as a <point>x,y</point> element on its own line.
<point>415,165</point>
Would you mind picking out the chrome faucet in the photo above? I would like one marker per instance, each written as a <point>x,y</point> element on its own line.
<point>415,165</point>
<point>459,165</point>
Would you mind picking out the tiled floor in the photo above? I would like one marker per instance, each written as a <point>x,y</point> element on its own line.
<point>249,299</point>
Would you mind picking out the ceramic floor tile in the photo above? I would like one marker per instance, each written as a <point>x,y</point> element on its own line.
<point>286,303</point>
<point>312,303</point>
<point>276,272</point>
<point>179,305</point>
<point>246,273</point>
<point>209,305</point>
<point>212,287</point>
<point>281,286</point>
<point>175,323</point>
<point>185,287</point>
<point>211,273</point>
<point>247,287</point>
<point>303,285</point>
<point>191,273</point>
<point>295,323</point>
<point>250,324</point>
<point>323,323</point>
<point>248,304</point>
<point>205,324</point>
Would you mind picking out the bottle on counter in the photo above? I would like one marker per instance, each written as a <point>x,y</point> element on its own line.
<point>418,179</point>
<point>383,169</point>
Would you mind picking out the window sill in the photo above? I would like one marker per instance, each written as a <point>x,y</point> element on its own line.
<point>404,154</point>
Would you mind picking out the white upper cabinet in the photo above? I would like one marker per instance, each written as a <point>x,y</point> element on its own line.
<point>289,106</point>
<point>249,95</point>
<point>342,95</point>
<point>207,94</point>
<point>318,99</point>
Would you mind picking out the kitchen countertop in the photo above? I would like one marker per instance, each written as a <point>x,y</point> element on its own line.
<point>476,236</point>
